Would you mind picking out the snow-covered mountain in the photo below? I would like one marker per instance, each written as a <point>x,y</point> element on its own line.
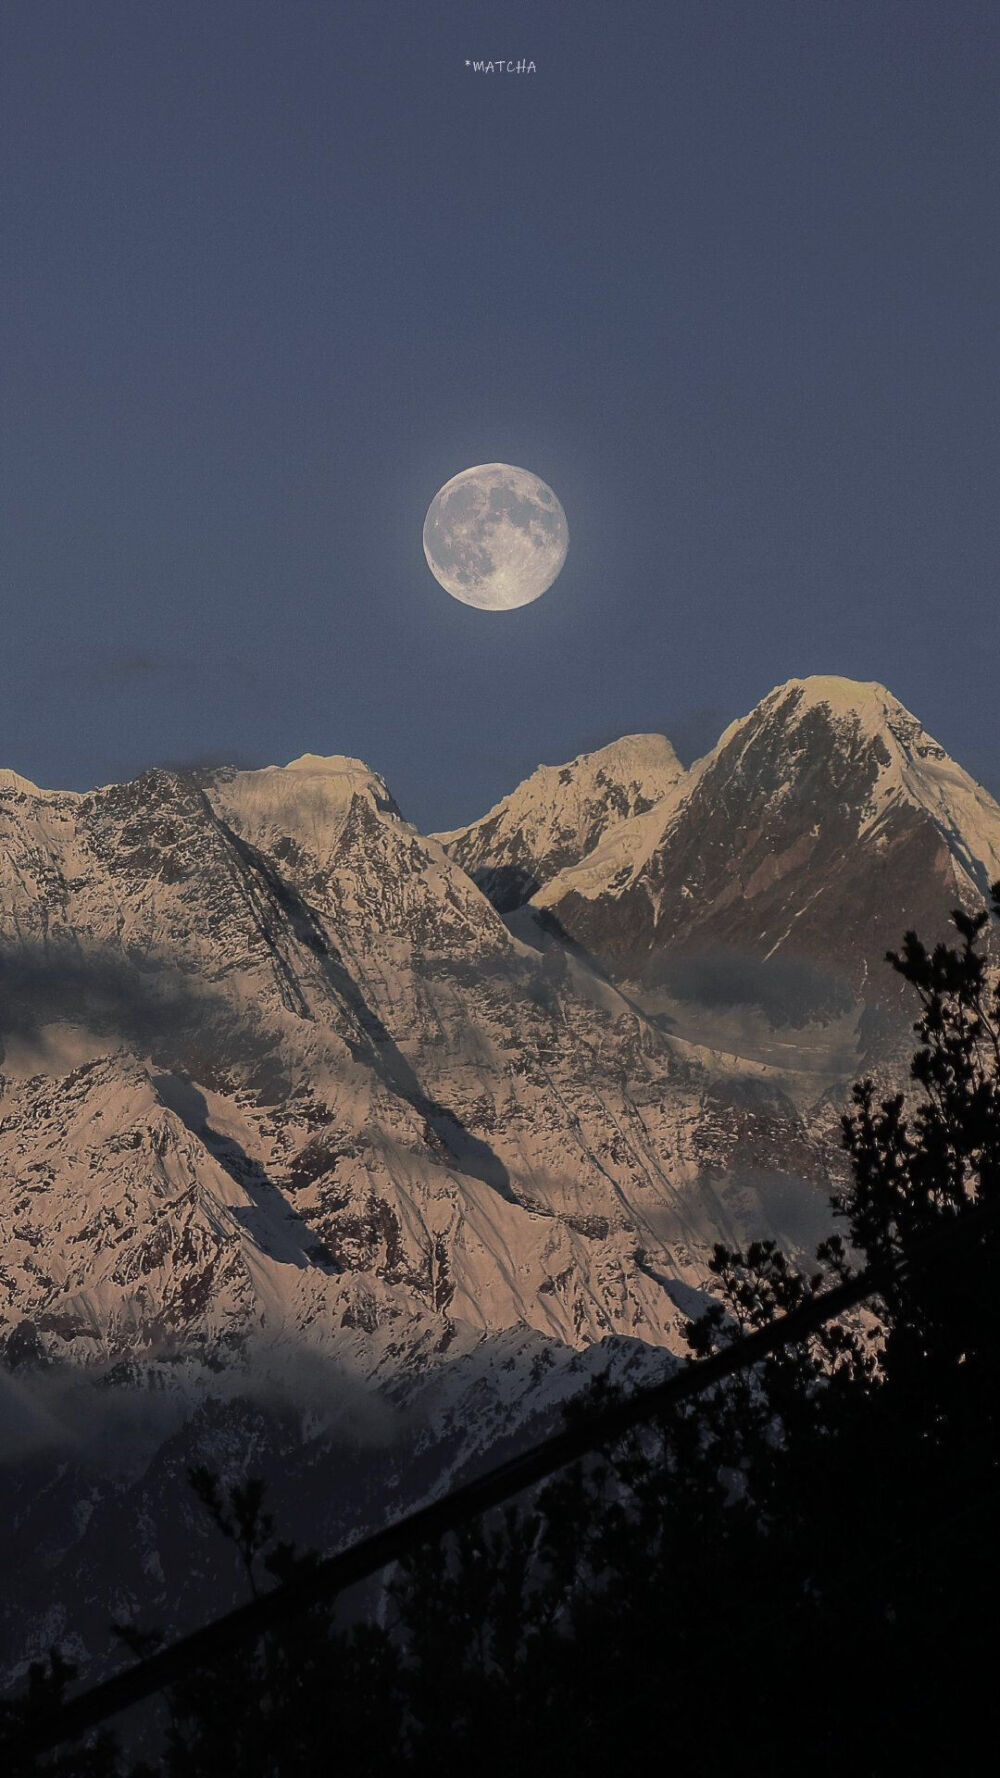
<point>273,1064</point>
<point>283,1094</point>
<point>280,1090</point>
<point>819,828</point>
<point>559,814</point>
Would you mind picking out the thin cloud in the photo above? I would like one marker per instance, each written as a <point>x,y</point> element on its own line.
<point>99,990</point>
<point>114,1427</point>
<point>785,990</point>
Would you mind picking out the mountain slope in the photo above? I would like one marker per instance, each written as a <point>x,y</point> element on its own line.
<point>819,828</point>
<point>274,1067</point>
<point>558,815</point>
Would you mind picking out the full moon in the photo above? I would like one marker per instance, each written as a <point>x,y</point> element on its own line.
<point>495,537</point>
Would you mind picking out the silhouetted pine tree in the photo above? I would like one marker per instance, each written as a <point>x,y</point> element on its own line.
<point>276,1706</point>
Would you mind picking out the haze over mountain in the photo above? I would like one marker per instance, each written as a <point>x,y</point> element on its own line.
<point>283,1094</point>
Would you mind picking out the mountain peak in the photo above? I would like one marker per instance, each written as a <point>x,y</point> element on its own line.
<point>775,842</point>
<point>559,814</point>
<point>870,705</point>
<point>335,765</point>
<point>866,721</point>
<point>836,690</point>
<point>313,793</point>
<point>867,699</point>
<point>13,782</point>
<point>647,752</point>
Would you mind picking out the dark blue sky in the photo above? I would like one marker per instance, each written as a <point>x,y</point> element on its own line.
<point>725,273</point>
